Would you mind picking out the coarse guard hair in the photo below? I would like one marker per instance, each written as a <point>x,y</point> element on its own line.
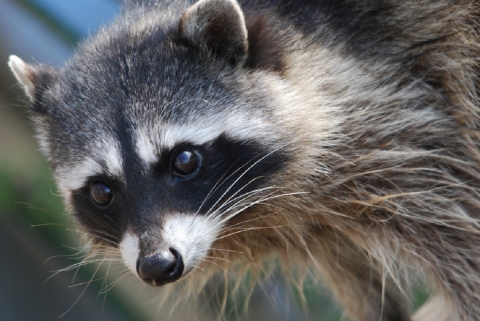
<point>341,137</point>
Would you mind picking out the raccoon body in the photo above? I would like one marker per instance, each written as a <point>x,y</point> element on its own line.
<point>340,136</point>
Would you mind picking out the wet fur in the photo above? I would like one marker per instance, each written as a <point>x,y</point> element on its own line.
<point>375,110</point>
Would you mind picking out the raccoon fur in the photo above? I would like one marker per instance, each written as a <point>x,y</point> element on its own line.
<point>338,135</point>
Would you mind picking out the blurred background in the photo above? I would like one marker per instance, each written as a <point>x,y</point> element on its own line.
<point>37,237</point>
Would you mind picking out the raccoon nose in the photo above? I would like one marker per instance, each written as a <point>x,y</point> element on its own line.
<point>161,268</point>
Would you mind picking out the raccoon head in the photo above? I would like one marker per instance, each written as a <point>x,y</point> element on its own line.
<point>158,133</point>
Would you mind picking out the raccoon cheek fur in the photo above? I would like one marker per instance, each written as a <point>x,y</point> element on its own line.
<point>338,135</point>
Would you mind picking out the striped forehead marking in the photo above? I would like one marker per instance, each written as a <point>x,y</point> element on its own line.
<point>104,159</point>
<point>150,141</point>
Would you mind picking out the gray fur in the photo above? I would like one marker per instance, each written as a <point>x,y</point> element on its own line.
<point>365,114</point>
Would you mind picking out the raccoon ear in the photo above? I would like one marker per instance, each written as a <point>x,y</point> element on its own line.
<point>217,26</point>
<point>33,79</point>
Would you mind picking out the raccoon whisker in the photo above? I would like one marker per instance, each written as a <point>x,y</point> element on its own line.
<point>250,229</point>
<point>197,267</point>
<point>220,182</point>
<point>228,217</point>
<point>52,276</point>
<point>66,269</point>
<point>105,282</point>
<point>72,267</point>
<point>246,171</point>
<point>250,220</point>
<point>14,104</point>
<point>114,223</point>
<point>218,258</point>
<point>105,249</point>
<point>94,231</point>
<point>103,254</point>
<point>81,294</point>
<point>227,201</point>
<point>233,202</point>
<point>223,195</point>
<point>240,202</point>
<point>101,246</point>
<point>66,255</point>
<point>34,207</point>
<point>226,250</point>
<point>118,268</point>
<point>106,259</point>
<point>81,248</point>
<point>112,260</point>
<point>118,277</point>
<point>242,197</point>
<point>214,263</point>
<point>86,282</point>
<point>48,224</point>
<point>73,258</point>
<point>244,206</point>
<point>88,259</point>
<point>113,284</point>
<point>95,236</point>
<point>83,232</point>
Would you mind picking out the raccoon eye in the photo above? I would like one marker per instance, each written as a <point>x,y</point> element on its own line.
<point>185,163</point>
<point>101,194</point>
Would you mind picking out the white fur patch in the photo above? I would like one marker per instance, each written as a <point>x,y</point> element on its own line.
<point>70,178</point>
<point>191,235</point>
<point>22,72</point>
<point>150,141</point>
<point>42,136</point>
<point>145,148</point>
<point>168,135</point>
<point>129,248</point>
<point>112,157</point>
<point>193,133</point>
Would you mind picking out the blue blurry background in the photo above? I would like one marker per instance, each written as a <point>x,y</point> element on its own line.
<point>36,237</point>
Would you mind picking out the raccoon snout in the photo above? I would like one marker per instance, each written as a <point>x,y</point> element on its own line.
<point>161,268</point>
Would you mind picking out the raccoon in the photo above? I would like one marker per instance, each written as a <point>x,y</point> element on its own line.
<point>340,136</point>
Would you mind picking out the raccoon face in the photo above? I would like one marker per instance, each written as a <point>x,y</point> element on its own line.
<point>150,140</point>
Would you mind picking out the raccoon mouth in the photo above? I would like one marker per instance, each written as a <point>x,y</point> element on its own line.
<point>161,268</point>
